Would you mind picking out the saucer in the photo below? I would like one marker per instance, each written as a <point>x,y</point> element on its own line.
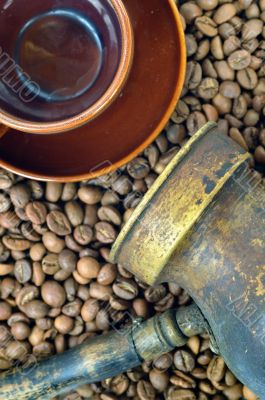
<point>130,123</point>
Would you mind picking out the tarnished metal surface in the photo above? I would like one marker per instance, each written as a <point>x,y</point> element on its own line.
<point>202,225</point>
<point>175,203</point>
<point>222,264</point>
<point>158,335</point>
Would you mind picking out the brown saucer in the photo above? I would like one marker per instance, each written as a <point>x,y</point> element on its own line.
<point>132,121</point>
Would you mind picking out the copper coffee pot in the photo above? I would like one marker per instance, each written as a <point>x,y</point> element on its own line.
<point>201,225</point>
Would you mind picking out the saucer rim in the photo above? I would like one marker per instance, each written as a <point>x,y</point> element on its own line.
<point>151,137</point>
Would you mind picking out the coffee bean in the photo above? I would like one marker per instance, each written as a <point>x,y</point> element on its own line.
<point>217,48</point>
<point>67,260</point>
<point>237,137</point>
<point>58,223</point>
<point>122,185</point>
<point>209,69</point>
<point>176,134</point>
<point>53,191</point>
<point>260,155</point>
<point>248,394</point>
<point>181,394</point>
<point>36,309</point>
<point>69,191</point>
<point>17,350</point>
<point>206,26</point>
<point>230,89</point>
<point>29,233</point>
<point>247,78</point>
<point>239,59</point>
<point>181,113</point>
<point>138,168</point>
<point>5,202</point>
<point>102,320</point>
<point>23,271</point>
<point>20,331</point>
<point>6,179</point>
<point>240,107</point>
<point>163,362</point>
<point>52,242</point>
<point>38,275</point>
<point>195,121</point>
<point>231,44</point>
<point>5,311</point>
<point>190,11</point>
<point>100,292</point>
<point>25,295</point>
<point>184,361</point>
<point>155,293</point>
<point>7,288</point>
<point>182,380</point>
<point>193,75</point>
<point>90,195</point>
<point>145,390</point>
<point>43,350</point>
<point>74,213</point>
<point>191,45</point>
<point>105,232</point>
<point>88,267</point>
<point>16,243</point>
<point>159,380</point>
<point>224,13</point>
<point>64,324</point>
<point>251,118</point>
<point>53,294</point>
<point>107,274</point>
<point>208,88</point>
<point>216,369</point>
<point>20,195</point>
<point>222,104</point>
<point>234,391</point>
<point>210,112</point>
<point>125,289</point>
<point>50,264</point>
<point>36,212</point>
<point>83,234</point>
<point>202,50</point>
<point>36,336</point>
<point>224,71</point>
<point>252,28</point>
<point>6,269</point>
<point>208,5</point>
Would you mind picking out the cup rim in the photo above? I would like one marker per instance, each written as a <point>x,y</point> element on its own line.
<point>68,124</point>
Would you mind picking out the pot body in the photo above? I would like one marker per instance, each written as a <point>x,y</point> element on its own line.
<point>222,265</point>
<point>202,225</point>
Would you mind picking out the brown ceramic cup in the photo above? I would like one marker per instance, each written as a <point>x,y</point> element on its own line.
<point>149,48</point>
<point>62,63</point>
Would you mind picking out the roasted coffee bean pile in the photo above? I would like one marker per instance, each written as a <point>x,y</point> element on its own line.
<point>58,287</point>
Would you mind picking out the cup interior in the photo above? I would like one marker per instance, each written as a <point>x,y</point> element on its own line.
<point>57,58</point>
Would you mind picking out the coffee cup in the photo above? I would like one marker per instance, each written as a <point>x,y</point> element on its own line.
<point>62,63</point>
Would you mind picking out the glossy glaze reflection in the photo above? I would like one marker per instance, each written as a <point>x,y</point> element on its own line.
<point>61,44</point>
